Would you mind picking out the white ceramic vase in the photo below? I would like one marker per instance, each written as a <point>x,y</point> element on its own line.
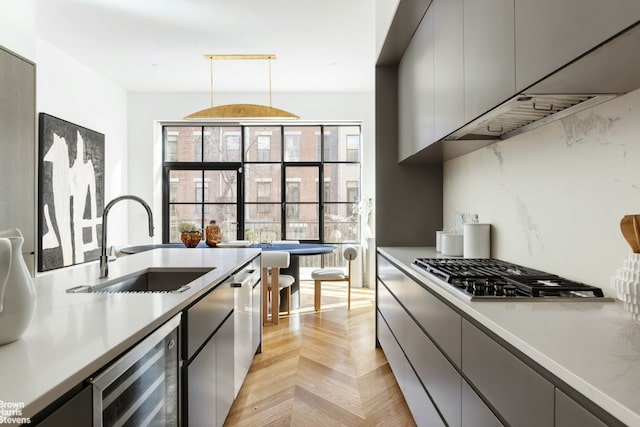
<point>626,284</point>
<point>17,292</point>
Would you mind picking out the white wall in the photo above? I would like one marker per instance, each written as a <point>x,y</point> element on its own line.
<point>17,27</point>
<point>69,90</point>
<point>555,195</point>
<point>146,109</point>
<point>385,11</point>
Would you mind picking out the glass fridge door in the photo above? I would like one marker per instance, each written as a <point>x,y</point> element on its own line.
<point>141,388</point>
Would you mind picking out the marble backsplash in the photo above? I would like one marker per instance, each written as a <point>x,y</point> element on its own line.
<point>555,195</point>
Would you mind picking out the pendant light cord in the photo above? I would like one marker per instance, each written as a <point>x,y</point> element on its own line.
<point>211,78</point>
<point>269,81</point>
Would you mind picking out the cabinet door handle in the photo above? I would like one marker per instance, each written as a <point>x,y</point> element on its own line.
<point>543,109</point>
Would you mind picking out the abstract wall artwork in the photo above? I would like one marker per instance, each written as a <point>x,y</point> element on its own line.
<point>71,193</point>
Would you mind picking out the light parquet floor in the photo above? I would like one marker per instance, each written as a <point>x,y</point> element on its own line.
<point>322,369</point>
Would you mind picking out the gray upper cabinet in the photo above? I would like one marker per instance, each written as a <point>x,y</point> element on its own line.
<point>489,56</point>
<point>424,115</point>
<point>551,33</point>
<point>467,57</point>
<point>18,147</point>
<point>406,85</point>
<point>448,66</point>
<point>416,92</point>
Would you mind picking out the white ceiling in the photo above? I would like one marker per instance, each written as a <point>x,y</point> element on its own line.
<point>158,45</point>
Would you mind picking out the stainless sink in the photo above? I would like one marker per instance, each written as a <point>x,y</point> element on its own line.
<point>149,280</point>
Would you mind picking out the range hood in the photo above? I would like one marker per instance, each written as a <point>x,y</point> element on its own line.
<point>609,70</point>
<point>525,112</point>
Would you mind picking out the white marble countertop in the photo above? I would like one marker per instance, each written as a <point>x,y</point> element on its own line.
<point>594,347</point>
<point>73,335</point>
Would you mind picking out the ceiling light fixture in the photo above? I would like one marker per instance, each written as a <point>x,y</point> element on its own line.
<point>241,111</point>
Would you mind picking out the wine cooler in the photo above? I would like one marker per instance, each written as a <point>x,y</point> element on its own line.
<point>141,388</point>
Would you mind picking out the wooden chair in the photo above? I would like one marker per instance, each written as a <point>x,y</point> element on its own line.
<point>272,262</point>
<point>334,275</point>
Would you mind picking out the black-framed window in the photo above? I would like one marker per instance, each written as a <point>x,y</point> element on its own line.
<point>321,158</point>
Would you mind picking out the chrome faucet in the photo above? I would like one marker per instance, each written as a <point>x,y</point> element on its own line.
<point>104,258</point>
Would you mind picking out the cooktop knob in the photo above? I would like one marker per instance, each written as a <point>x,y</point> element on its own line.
<point>510,291</point>
<point>471,284</point>
<point>478,289</point>
<point>490,287</point>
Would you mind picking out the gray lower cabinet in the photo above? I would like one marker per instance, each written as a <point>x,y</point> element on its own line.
<point>391,348</point>
<point>204,317</point>
<point>426,378</point>
<point>440,322</point>
<point>422,409</point>
<point>392,311</point>
<point>201,387</point>
<point>244,319</point>
<point>211,352</point>
<point>210,385</point>
<point>224,371</point>
<point>474,412</point>
<point>437,374</point>
<point>210,380</point>
<point>569,413</point>
<point>519,394</point>
<point>256,319</point>
<point>451,371</point>
<point>76,412</point>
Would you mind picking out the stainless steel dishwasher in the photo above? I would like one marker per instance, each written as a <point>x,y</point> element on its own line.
<point>141,387</point>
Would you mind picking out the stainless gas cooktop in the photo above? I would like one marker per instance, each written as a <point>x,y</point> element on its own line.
<point>494,279</point>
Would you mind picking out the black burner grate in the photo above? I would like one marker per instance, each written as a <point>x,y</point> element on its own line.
<point>475,275</point>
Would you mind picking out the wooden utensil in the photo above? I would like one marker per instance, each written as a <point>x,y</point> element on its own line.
<point>630,227</point>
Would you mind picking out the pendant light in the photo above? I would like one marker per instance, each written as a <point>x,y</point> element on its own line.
<point>241,111</point>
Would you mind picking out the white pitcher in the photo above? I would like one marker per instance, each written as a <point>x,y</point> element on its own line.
<point>17,293</point>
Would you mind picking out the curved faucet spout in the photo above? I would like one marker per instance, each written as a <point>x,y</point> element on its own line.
<point>104,259</point>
